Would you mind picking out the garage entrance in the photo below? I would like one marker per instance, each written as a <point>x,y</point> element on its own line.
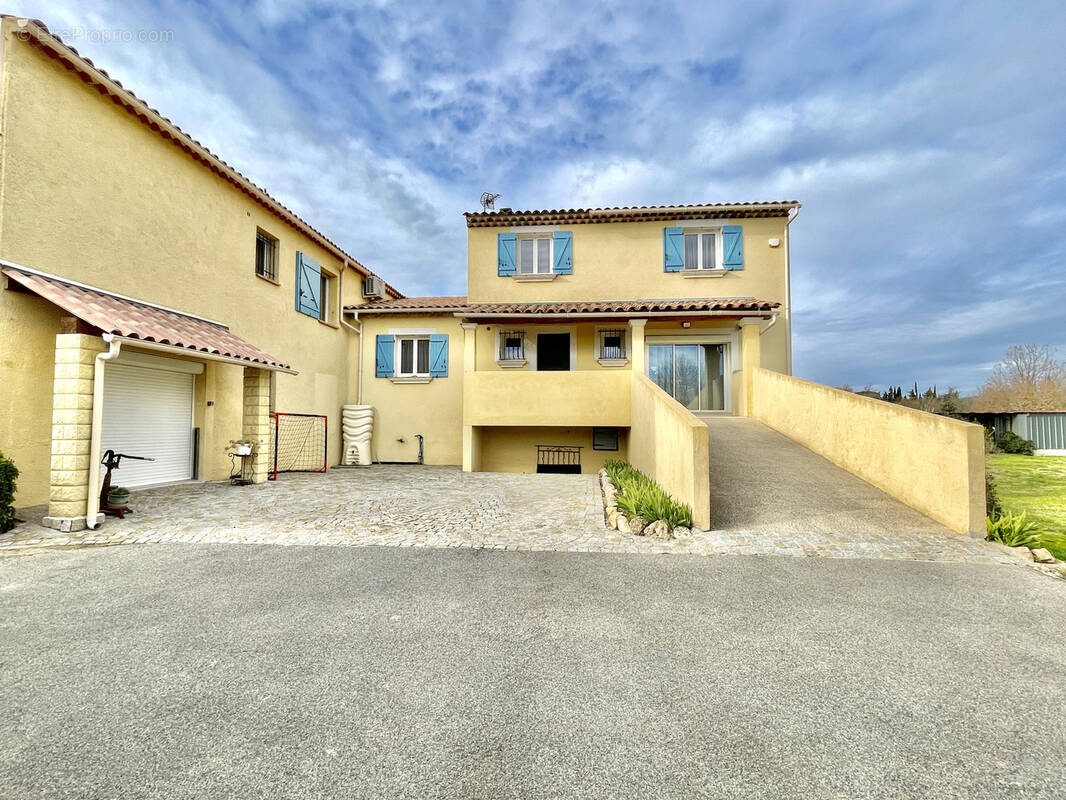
<point>148,411</point>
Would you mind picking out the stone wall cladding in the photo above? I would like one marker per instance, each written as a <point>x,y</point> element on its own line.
<point>257,427</point>
<point>72,416</point>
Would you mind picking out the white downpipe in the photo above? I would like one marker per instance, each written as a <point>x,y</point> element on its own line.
<point>92,503</point>
<point>358,332</point>
<point>788,288</point>
<point>773,321</point>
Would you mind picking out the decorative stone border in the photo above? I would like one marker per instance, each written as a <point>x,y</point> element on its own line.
<point>637,526</point>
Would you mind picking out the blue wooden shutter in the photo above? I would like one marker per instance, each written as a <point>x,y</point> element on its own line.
<point>384,347</point>
<point>673,249</point>
<point>505,247</point>
<point>564,263</point>
<point>732,247</point>
<point>308,286</point>
<point>438,355</point>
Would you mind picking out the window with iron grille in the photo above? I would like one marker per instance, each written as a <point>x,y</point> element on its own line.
<point>512,345</point>
<point>605,438</point>
<point>266,256</point>
<point>612,343</point>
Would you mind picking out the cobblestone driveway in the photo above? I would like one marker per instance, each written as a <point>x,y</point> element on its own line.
<point>444,507</point>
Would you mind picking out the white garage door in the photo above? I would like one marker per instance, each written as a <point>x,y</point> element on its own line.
<point>148,412</point>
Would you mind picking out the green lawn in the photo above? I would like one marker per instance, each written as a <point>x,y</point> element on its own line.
<point>1035,485</point>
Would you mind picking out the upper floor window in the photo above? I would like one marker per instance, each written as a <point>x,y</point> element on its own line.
<point>266,256</point>
<point>315,295</point>
<point>535,255</point>
<point>702,249</point>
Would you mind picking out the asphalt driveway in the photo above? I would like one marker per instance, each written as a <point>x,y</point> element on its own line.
<point>207,671</point>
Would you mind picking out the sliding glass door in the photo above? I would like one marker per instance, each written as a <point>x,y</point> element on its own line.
<point>693,374</point>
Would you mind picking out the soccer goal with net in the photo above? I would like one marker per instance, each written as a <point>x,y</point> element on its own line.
<point>299,443</point>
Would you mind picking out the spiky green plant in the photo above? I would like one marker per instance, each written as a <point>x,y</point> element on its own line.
<point>638,495</point>
<point>1013,530</point>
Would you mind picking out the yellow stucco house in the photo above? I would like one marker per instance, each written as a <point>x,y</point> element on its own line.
<point>155,300</point>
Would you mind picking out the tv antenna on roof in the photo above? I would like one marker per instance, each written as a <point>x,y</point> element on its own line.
<point>488,201</point>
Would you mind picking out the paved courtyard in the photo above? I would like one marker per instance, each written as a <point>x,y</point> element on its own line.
<point>411,506</point>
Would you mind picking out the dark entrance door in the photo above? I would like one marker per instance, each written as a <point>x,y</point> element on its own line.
<point>553,352</point>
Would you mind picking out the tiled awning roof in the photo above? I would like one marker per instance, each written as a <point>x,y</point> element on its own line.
<point>412,304</point>
<point>137,319</point>
<point>586,216</point>
<point>725,306</point>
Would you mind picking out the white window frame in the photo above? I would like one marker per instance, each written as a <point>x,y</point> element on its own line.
<point>626,344</point>
<point>397,361</point>
<point>512,363</point>
<point>718,251</point>
<point>536,237</point>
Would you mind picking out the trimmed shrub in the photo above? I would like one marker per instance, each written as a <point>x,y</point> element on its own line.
<point>8,475</point>
<point>640,496</point>
<point>990,441</point>
<point>993,508</point>
<point>1012,443</point>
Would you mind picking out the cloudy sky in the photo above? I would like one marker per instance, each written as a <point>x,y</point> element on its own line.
<point>926,141</point>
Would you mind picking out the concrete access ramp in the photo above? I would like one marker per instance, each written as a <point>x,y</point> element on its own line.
<point>764,482</point>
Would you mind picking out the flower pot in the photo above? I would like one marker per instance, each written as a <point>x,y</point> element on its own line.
<point>118,496</point>
<point>244,449</point>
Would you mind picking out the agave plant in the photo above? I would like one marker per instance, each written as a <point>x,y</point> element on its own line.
<point>638,495</point>
<point>1013,530</point>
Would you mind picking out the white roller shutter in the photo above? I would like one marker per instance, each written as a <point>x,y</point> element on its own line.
<point>148,412</point>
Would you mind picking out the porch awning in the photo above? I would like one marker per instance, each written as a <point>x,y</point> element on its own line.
<point>675,307</point>
<point>140,321</point>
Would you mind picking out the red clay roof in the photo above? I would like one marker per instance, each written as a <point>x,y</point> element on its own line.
<point>37,34</point>
<point>413,304</point>
<point>136,319</point>
<point>586,216</point>
<point>457,305</point>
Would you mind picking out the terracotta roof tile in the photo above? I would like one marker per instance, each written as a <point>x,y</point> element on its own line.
<point>136,319</point>
<point>412,304</point>
<point>586,216</point>
<point>458,305</point>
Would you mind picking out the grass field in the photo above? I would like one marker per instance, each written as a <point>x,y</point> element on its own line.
<point>1035,485</point>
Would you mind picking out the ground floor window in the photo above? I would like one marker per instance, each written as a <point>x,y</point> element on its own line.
<point>605,438</point>
<point>558,459</point>
<point>693,374</point>
<point>414,356</point>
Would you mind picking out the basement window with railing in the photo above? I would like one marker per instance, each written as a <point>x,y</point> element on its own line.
<point>611,348</point>
<point>511,349</point>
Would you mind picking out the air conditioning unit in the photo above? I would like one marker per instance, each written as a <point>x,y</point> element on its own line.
<point>373,288</point>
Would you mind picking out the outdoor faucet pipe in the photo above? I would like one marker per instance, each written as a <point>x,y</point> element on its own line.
<point>92,502</point>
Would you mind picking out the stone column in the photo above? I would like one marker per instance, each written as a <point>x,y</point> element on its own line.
<point>750,360</point>
<point>639,359</point>
<point>257,426</point>
<point>72,426</point>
